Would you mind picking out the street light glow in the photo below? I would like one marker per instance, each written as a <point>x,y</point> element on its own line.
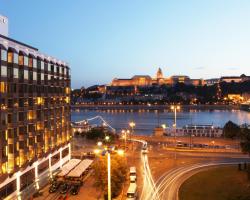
<point>132,124</point>
<point>99,143</point>
<point>107,138</point>
<point>97,151</point>
<point>120,152</point>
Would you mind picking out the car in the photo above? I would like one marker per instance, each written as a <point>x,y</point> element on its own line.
<point>64,188</point>
<point>74,190</point>
<point>144,149</point>
<point>54,186</point>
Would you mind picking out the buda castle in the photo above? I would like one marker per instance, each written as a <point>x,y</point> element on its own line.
<point>146,80</point>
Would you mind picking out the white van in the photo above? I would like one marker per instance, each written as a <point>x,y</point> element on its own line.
<point>132,192</point>
<point>132,174</point>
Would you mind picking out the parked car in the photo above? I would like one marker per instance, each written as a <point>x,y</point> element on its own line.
<point>54,186</point>
<point>64,188</point>
<point>75,189</point>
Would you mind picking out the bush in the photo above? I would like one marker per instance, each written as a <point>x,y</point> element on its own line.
<point>231,130</point>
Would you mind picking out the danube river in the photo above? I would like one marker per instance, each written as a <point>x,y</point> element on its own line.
<point>147,120</point>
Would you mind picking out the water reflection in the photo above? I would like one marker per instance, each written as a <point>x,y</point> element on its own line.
<point>146,120</point>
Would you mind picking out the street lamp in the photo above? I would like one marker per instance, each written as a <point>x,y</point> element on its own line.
<point>99,143</point>
<point>108,150</point>
<point>107,138</point>
<point>132,125</point>
<point>175,108</point>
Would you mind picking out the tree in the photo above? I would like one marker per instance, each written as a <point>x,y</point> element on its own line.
<point>231,130</point>
<point>245,143</point>
<point>118,174</point>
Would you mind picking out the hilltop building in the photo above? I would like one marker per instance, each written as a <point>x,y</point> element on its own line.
<point>34,114</point>
<point>146,80</point>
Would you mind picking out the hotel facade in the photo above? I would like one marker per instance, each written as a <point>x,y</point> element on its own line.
<point>35,116</point>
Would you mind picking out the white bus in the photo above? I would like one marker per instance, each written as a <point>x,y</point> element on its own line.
<point>132,192</point>
<point>132,174</point>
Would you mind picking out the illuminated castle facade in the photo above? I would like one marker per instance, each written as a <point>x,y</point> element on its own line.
<point>145,80</point>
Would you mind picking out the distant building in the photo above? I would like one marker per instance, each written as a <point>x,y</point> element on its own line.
<point>146,80</point>
<point>211,81</point>
<point>236,79</point>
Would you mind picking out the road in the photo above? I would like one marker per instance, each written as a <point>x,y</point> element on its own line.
<point>167,186</point>
<point>149,188</point>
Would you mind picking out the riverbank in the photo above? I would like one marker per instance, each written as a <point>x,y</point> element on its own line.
<point>154,107</point>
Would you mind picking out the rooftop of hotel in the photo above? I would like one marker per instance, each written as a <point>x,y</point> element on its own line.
<point>17,46</point>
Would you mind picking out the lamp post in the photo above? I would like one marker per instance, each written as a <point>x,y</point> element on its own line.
<point>108,150</point>
<point>175,108</point>
<point>124,136</point>
<point>109,177</point>
<point>132,125</point>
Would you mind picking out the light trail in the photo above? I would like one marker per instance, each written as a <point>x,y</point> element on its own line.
<point>169,183</point>
<point>149,190</point>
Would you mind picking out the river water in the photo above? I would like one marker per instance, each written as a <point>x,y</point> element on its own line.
<point>146,121</point>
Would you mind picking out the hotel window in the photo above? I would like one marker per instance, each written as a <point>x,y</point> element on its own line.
<point>26,61</point>
<point>38,64</point>
<point>26,74</point>
<point>42,65</point>
<point>52,68</point>
<point>15,58</point>
<point>34,76</point>
<point>42,76</point>
<point>34,63</point>
<point>30,62</point>
<point>3,87</point>
<point>3,71</point>
<point>10,57</point>
<point>20,60</point>
<point>3,55</point>
<point>49,67</point>
<point>15,73</point>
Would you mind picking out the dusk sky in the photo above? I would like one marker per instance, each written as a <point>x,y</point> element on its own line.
<point>105,39</point>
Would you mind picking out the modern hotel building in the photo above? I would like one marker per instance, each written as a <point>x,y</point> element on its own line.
<point>34,115</point>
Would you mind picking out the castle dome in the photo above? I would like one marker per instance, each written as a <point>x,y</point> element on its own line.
<point>159,74</point>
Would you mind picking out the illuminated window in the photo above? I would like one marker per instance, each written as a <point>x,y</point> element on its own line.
<point>67,90</point>
<point>40,101</point>
<point>67,99</point>
<point>10,57</point>
<point>3,87</point>
<point>31,115</point>
<point>30,62</point>
<point>3,71</point>
<point>3,55</point>
<point>20,60</point>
